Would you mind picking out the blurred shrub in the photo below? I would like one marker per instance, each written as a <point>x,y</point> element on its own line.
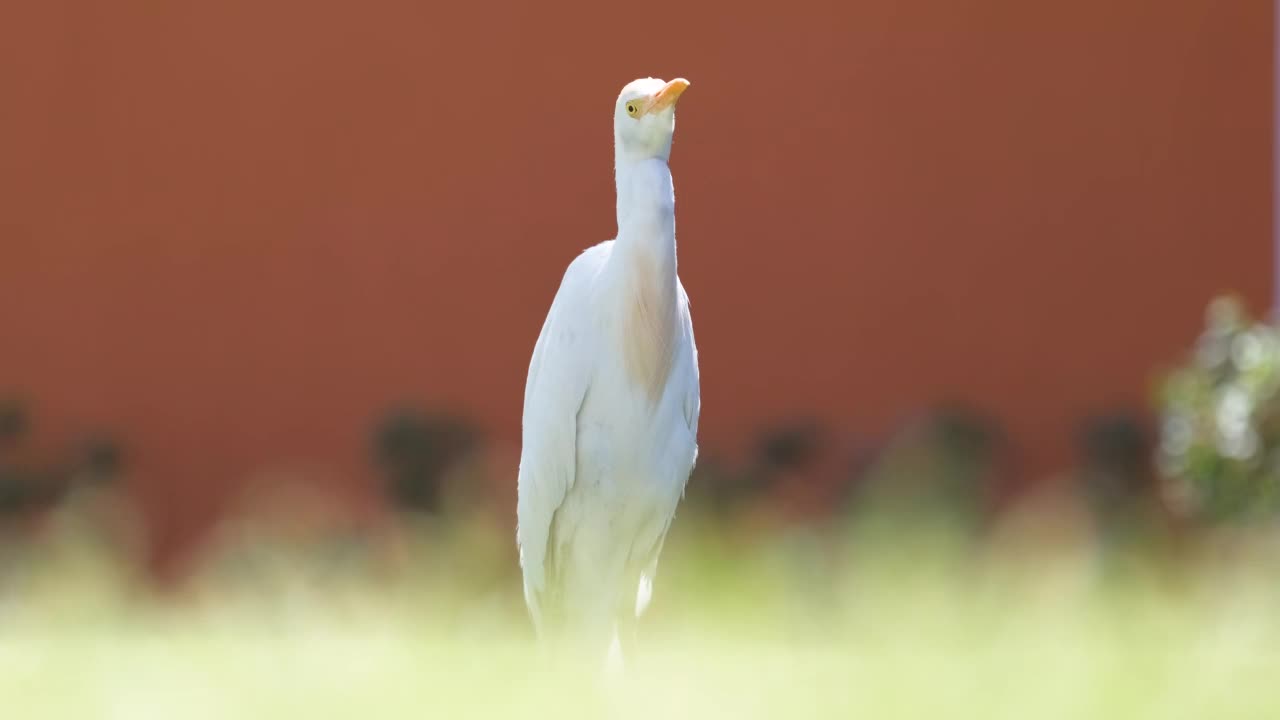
<point>1115,469</point>
<point>945,466</point>
<point>13,421</point>
<point>1133,533</point>
<point>1219,449</point>
<point>415,451</point>
<point>780,450</point>
<point>102,459</point>
<point>789,445</point>
<point>23,486</point>
<point>26,486</point>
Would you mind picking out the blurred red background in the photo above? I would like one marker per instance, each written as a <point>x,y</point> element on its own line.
<point>235,232</point>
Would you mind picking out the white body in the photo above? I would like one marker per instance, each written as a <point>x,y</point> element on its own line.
<point>610,415</point>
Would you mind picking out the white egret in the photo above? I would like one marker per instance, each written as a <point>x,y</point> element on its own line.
<point>611,403</point>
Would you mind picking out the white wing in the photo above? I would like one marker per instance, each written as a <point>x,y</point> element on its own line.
<point>693,391</point>
<point>559,378</point>
<point>687,383</point>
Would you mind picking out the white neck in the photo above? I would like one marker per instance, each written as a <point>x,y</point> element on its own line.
<point>643,269</point>
<point>646,211</point>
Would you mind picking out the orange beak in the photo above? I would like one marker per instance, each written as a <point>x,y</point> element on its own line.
<point>667,96</point>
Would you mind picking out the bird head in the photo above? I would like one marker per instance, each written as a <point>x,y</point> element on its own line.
<point>644,118</point>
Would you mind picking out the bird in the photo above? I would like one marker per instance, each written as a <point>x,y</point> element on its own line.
<point>611,404</point>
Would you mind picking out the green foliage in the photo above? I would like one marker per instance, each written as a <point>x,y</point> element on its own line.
<point>1220,420</point>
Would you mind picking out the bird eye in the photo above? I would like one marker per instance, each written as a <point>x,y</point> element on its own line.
<point>631,109</point>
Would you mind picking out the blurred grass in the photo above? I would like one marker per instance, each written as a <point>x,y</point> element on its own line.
<point>886,620</point>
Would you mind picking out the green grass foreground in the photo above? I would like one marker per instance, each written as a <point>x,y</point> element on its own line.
<point>892,624</point>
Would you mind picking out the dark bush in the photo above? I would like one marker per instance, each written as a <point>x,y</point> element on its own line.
<point>415,449</point>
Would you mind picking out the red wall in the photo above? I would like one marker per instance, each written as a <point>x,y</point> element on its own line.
<point>237,230</point>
